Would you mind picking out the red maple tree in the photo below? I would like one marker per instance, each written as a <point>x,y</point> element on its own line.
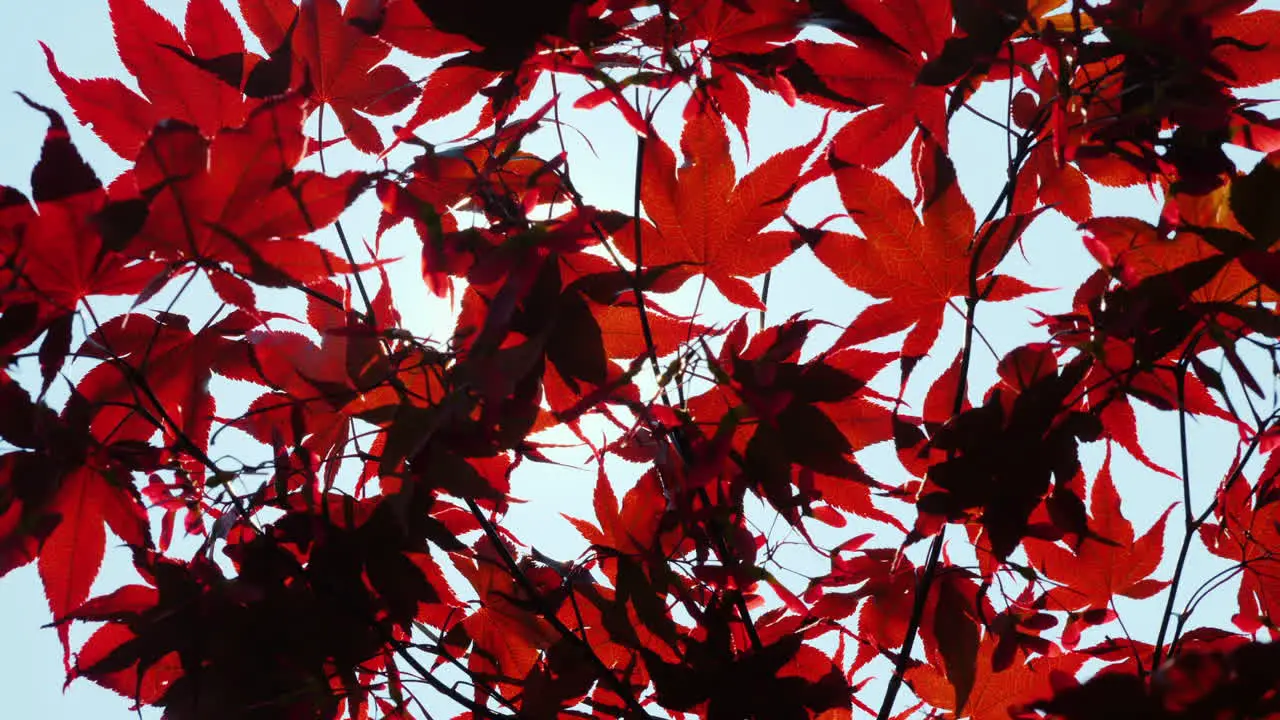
<point>352,560</point>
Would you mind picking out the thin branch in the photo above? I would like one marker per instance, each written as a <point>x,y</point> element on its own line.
<point>925,584</point>
<point>1194,524</point>
<point>607,676</point>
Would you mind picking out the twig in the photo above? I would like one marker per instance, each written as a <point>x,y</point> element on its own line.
<point>623,690</point>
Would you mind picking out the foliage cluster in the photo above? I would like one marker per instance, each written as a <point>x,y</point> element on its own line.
<point>329,578</point>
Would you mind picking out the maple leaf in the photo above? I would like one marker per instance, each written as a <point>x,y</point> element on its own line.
<point>1248,531</point>
<point>730,27</point>
<point>1206,229</point>
<point>993,694</point>
<point>507,632</point>
<point>636,528</point>
<point>915,267</point>
<point>999,462</point>
<point>704,223</point>
<point>728,32</point>
<point>341,61</point>
<point>172,363</point>
<point>1108,561</point>
<point>1062,187</point>
<point>57,250</point>
<point>55,497</point>
<point>887,72</point>
<point>72,554</point>
<point>150,48</point>
<point>790,421</point>
<point>883,599</point>
<point>223,200</point>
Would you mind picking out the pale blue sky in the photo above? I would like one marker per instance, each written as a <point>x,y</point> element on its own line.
<point>79,33</point>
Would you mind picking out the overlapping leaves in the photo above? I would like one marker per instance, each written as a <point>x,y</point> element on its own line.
<point>383,454</point>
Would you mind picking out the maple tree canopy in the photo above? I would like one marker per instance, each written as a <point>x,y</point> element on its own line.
<point>350,559</point>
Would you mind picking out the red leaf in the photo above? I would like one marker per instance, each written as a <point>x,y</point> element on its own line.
<point>341,61</point>
<point>174,87</point>
<point>269,20</point>
<point>729,26</point>
<point>940,401</point>
<point>915,266</point>
<point>72,554</point>
<point>106,640</point>
<point>1108,561</point>
<point>994,694</point>
<point>176,365</point>
<point>883,73</point>
<point>1060,186</point>
<point>60,248</point>
<point>222,200</point>
<point>704,222</point>
<point>1255,60</point>
<point>449,89</point>
<point>1122,426</point>
<point>118,115</point>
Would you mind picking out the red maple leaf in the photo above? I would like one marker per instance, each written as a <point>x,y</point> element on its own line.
<point>726,31</point>
<point>883,73</point>
<point>734,27</point>
<point>1062,187</point>
<point>171,365</point>
<point>174,88</point>
<point>1144,250</point>
<point>1108,561</point>
<point>55,496</point>
<point>1248,531</point>
<point>915,266</point>
<point>993,694</point>
<point>882,600</point>
<point>705,223</point>
<point>507,633</point>
<point>637,528</point>
<point>56,252</point>
<point>72,554</point>
<point>223,200</point>
<point>341,61</point>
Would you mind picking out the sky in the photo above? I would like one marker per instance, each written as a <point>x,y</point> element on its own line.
<point>80,34</point>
